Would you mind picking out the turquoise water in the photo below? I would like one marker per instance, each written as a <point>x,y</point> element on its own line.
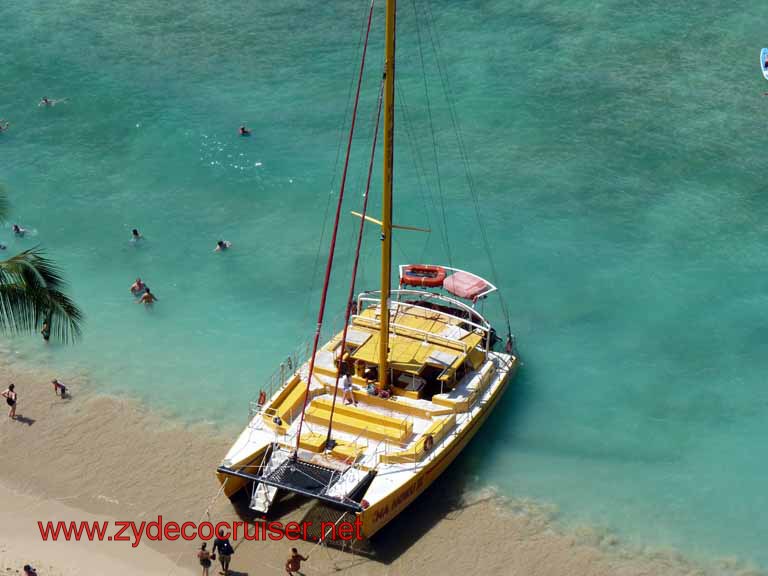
<point>617,149</point>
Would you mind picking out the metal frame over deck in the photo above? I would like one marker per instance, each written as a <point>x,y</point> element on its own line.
<point>283,476</point>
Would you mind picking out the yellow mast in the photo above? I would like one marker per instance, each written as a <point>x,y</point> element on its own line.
<point>386,202</point>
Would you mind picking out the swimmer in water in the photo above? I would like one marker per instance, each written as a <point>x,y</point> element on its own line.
<point>3,247</point>
<point>138,287</point>
<point>147,297</point>
<point>45,101</point>
<point>222,245</point>
<point>18,230</point>
<point>136,235</point>
<point>46,330</point>
<point>244,131</point>
<point>4,127</point>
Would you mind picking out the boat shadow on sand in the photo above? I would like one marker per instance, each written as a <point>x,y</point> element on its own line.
<point>440,502</point>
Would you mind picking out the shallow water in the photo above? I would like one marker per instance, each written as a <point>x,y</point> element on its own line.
<point>617,151</point>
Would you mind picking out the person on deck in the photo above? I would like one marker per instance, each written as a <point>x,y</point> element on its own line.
<point>346,386</point>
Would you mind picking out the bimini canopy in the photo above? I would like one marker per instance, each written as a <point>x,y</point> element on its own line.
<point>465,285</point>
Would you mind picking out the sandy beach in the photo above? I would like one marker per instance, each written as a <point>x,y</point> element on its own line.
<point>94,456</point>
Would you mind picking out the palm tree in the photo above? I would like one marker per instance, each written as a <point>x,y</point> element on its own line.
<point>32,292</point>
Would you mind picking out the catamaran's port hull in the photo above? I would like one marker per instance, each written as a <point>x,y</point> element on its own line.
<point>234,484</point>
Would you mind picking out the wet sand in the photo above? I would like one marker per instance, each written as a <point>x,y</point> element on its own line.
<point>102,456</point>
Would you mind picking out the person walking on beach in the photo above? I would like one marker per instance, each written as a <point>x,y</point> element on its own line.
<point>147,297</point>
<point>11,399</point>
<point>58,387</point>
<point>29,571</point>
<point>294,562</point>
<point>225,550</point>
<point>205,558</point>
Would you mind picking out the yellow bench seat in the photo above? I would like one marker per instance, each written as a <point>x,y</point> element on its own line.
<point>438,430</point>
<point>357,412</point>
<point>287,404</point>
<point>358,421</point>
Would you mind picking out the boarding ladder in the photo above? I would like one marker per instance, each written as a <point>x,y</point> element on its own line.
<point>263,495</point>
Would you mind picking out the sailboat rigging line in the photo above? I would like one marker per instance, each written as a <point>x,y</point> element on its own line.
<point>434,138</point>
<point>329,265</point>
<point>351,293</point>
<point>418,163</point>
<point>448,91</point>
<point>347,108</point>
<point>418,160</point>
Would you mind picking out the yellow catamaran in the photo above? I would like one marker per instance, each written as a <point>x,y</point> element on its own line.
<point>423,371</point>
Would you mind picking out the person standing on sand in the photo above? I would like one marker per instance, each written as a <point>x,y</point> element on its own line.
<point>294,562</point>
<point>59,387</point>
<point>29,571</point>
<point>11,399</point>
<point>205,558</point>
<point>225,550</point>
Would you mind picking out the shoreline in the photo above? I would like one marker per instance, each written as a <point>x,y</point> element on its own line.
<point>96,456</point>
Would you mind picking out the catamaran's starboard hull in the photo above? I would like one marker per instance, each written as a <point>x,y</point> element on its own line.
<point>378,515</point>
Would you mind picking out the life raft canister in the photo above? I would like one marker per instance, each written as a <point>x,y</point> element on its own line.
<point>423,275</point>
<point>262,398</point>
<point>429,442</point>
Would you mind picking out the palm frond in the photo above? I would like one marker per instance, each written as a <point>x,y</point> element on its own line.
<point>34,269</point>
<point>32,291</point>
